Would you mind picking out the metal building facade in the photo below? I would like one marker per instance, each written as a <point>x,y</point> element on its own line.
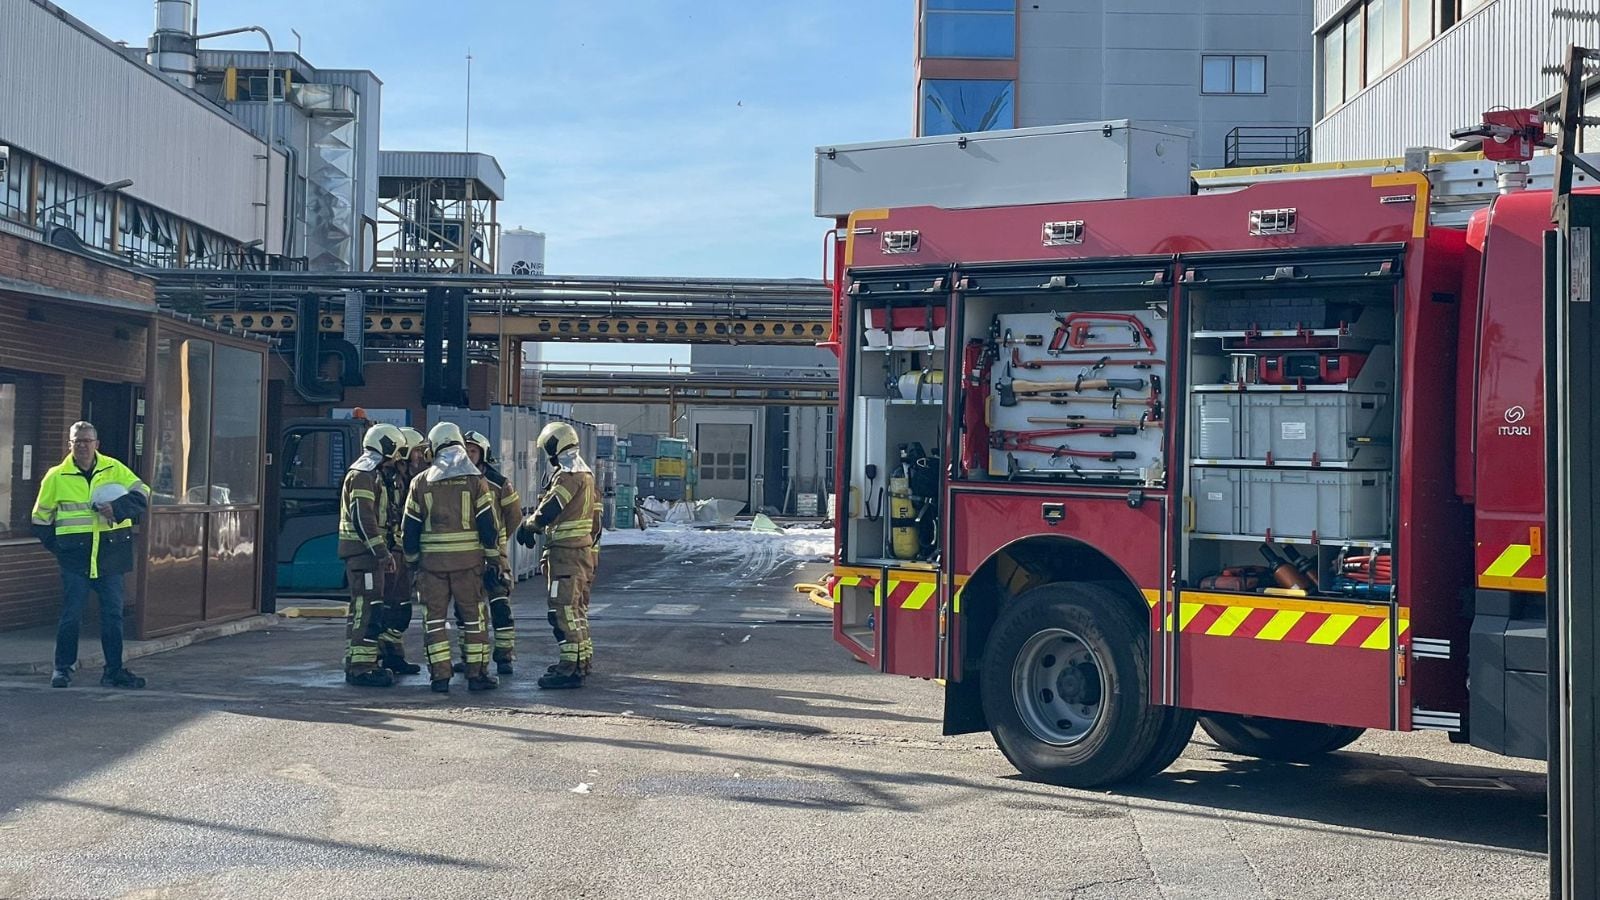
<point>76,99</point>
<point>1497,55</point>
<point>1089,60</point>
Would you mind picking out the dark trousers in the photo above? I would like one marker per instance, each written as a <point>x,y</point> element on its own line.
<point>75,594</point>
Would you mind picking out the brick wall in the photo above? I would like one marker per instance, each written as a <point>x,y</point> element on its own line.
<point>64,343</point>
<point>27,260</point>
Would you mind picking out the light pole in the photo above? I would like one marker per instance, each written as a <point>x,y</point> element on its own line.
<point>272,121</point>
<point>113,186</point>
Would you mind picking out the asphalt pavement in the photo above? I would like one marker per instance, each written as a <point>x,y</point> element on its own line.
<point>725,747</point>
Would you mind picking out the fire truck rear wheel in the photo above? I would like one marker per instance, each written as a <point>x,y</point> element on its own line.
<point>1066,688</point>
<point>1276,738</point>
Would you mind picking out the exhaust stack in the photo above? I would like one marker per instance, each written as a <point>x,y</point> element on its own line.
<point>172,45</point>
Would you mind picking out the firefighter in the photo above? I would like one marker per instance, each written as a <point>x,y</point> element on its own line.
<point>364,547</point>
<point>397,589</point>
<point>509,508</point>
<point>452,541</point>
<point>568,517</point>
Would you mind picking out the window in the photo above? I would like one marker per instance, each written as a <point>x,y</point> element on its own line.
<point>21,456</point>
<point>1333,67</point>
<point>955,107</point>
<point>1352,55</point>
<point>18,171</point>
<point>1233,74</point>
<point>183,422</point>
<point>313,459</point>
<point>236,443</point>
<point>1419,25</point>
<point>969,29</point>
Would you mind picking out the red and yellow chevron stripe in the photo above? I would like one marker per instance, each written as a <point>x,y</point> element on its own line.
<point>1511,571</point>
<point>903,590</point>
<point>1288,620</point>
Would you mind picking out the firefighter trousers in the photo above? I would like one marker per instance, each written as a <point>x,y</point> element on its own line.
<point>398,594</point>
<point>569,574</point>
<point>364,621</point>
<point>504,627</point>
<point>465,587</point>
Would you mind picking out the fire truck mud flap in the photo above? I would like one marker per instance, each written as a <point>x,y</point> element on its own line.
<point>1066,690</point>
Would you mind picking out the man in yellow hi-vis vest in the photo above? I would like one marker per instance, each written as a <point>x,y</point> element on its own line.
<point>568,516</point>
<point>84,515</point>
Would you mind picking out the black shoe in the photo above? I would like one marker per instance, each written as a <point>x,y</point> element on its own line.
<point>121,678</point>
<point>504,668</point>
<point>583,669</point>
<point>458,668</point>
<point>560,680</point>
<point>441,685</point>
<point>374,678</point>
<point>484,683</point>
<point>399,666</point>
<point>61,678</point>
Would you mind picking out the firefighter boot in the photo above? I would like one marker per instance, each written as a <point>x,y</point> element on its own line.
<point>396,663</point>
<point>441,685</point>
<point>371,678</point>
<point>121,678</point>
<point>482,683</point>
<point>559,680</point>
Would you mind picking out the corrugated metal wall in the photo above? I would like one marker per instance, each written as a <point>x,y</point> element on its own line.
<point>79,103</point>
<point>1494,57</point>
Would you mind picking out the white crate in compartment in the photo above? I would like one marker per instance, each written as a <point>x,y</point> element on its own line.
<point>1330,505</point>
<point>1294,428</point>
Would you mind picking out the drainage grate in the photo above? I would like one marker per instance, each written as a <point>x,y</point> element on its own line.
<point>1458,783</point>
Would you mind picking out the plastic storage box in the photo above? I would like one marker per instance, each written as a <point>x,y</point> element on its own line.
<point>1273,313</point>
<point>669,488</point>
<point>605,446</point>
<point>641,446</point>
<point>670,468</point>
<point>627,473</point>
<point>1293,503</point>
<point>672,448</point>
<point>1294,428</point>
<point>646,485</point>
<point>646,466</point>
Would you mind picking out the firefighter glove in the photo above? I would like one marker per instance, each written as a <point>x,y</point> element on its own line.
<point>491,578</point>
<point>528,535</point>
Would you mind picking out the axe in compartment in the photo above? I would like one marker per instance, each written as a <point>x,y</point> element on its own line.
<point>1010,389</point>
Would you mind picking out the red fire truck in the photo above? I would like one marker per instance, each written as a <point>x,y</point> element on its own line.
<point>1266,454</point>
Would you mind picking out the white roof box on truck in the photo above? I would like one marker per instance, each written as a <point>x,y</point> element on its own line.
<point>1108,160</point>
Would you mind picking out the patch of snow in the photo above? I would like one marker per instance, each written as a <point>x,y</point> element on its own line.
<point>797,543</point>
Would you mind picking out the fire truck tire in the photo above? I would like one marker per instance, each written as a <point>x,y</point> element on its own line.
<point>1175,736</point>
<point>1277,738</point>
<point>1066,688</point>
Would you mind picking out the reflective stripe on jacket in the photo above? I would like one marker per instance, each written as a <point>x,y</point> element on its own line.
<point>574,525</point>
<point>65,514</point>
<point>451,524</point>
<point>363,515</point>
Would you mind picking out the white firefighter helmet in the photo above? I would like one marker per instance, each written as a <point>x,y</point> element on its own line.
<point>443,435</point>
<point>557,438</point>
<point>386,440</point>
<point>478,439</point>
<point>414,439</point>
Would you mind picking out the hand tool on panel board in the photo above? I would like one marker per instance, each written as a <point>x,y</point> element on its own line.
<point>1005,339</point>
<point>1138,424</point>
<point>1101,363</point>
<point>1284,572</point>
<point>1083,430</point>
<point>1015,444</point>
<point>1074,331</point>
<point>1071,469</point>
<point>977,359</point>
<point>1010,388</point>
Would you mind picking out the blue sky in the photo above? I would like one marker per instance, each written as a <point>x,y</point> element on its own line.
<point>645,137</point>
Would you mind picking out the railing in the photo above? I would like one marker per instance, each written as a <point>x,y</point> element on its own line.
<point>1266,145</point>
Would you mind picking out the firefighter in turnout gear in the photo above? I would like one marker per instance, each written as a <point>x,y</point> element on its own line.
<point>364,547</point>
<point>568,516</point>
<point>397,588</point>
<point>508,506</point>
<point>452,541</point>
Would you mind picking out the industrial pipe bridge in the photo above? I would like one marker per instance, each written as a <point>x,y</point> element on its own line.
<point>751,388</point>
<point>510,308</point>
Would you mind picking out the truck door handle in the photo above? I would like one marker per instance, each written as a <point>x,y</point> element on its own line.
<point>1052,513</point>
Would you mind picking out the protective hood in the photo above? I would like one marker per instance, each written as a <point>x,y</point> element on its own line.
<point>369,462</point>
<point>452,462</point>
<point>570,461</point>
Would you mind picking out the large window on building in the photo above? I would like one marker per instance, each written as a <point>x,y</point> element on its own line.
<point>1376,36</point>
<point>15,172</point>
<point>1233,74</point>
<point>208,424</point>
<point>969,29</point>
<point>957,106</point>
<point>20,453</point>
